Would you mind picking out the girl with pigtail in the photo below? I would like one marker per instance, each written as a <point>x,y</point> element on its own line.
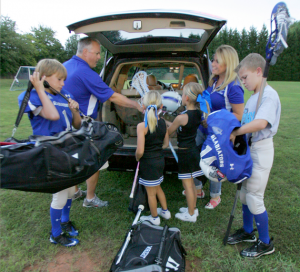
<point>152,138</point>
<point>186,125</point>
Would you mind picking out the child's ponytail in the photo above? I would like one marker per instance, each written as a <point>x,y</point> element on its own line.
<point>198,96</point>
<point>192,90</point>
<point>152,118</point>
<point>152,101</point>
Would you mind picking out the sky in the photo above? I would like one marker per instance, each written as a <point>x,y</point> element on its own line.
<point>57,14</point>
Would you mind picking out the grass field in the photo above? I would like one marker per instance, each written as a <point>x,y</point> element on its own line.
<point>25,222</point>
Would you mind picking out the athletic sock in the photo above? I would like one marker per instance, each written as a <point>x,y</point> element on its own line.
<point>247,219</point>
<point>262,224</point>
<point>55,217</point>
<point>164,210</point>
<point>66,211</point>
<point>90,200</point>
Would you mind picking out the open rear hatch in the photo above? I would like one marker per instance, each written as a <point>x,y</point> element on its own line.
<point>152,30</point>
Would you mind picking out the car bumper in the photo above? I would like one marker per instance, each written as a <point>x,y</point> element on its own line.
<point>124,160</point>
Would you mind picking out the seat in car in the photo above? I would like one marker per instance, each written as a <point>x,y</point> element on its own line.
<point>152,83</point>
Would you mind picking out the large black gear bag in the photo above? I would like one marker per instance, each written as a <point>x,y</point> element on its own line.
<point>152,248</point>
<point>49,164</point>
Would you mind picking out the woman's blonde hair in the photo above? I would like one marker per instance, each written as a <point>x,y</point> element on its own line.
<point>226,55</point>
<point>192,90</point>
<point>152,98</point>
<point>49,67</point>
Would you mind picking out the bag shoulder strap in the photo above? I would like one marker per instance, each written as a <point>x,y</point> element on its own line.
<point>158,259</point>
<point>22,107</point>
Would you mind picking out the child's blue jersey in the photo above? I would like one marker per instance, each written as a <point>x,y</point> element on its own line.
<point>42,126</point>
<point>218,150</point>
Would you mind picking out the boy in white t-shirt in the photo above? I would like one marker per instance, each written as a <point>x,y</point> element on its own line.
<point>260,128</point>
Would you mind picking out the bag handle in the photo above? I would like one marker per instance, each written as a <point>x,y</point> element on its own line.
<point>22,107</point>
<point>158,259</point>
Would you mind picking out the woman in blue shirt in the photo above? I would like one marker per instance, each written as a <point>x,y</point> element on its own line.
<point>225,93</point>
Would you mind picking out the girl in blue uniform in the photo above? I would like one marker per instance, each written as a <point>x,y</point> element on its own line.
<point>49,114</point>
<point>186,125</point>
<point>225,93</point>
<point>152,137</point>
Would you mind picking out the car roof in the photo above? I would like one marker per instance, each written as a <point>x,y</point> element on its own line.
<point>151,30</point>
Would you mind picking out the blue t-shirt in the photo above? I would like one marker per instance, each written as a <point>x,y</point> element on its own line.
<point>45,127</point>
<point>233,93</point>
<point>86,86</point>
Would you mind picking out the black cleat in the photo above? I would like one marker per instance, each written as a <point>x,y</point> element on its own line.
<point>69,228</point>
<point>241,236</point>
<point>63,240</point>
<point>258,249</point>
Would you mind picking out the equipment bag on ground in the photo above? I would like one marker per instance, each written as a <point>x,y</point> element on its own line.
<point>152,248</point>
<point>140,197</point>
<point>50,164</point>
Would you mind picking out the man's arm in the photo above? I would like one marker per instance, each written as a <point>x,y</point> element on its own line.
<point>123,101</point>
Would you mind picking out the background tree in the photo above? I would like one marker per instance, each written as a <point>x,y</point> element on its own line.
<point>71,46</point>
<point>16,49</point>
<point>114,37</point>
<point>262,40</point>
<point>47,46</point>
<point>252,39</point>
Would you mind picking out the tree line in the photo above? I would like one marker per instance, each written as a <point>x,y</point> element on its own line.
<point>27,49</point>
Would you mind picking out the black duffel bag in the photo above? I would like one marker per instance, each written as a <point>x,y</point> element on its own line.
<point>152,248</point>
<point>50,164</point>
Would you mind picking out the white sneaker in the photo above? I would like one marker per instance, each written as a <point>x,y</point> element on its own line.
<point>155,221</point>
<point>186,217</point>
<point>164,214</point>
<point>79,194</point>
<point>186,209</point>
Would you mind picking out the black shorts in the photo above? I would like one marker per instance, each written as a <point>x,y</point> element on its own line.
<point>188,163</point>
<point>151,171</point>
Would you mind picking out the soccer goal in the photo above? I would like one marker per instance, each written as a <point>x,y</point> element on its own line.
<point>21,78</point>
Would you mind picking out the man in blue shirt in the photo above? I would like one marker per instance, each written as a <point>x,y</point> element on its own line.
<point>89,90</point>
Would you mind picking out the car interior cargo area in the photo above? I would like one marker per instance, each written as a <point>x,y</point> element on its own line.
<point>162,76</point>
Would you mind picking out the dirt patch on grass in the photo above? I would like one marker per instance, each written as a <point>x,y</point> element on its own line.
<point>75,261</point>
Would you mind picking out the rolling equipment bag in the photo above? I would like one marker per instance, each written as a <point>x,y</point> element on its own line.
<point>151,248</point>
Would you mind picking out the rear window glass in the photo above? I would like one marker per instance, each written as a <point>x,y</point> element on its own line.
<point>164,74</point>
<point>119,36</point>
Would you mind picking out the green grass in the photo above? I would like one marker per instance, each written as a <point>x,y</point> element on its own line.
<point>25,222</point>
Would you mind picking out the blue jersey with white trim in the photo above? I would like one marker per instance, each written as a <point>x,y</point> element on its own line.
<point>39,124</point>
<point>218,150</point>
<point>86,86</point>
<point>233,93</point>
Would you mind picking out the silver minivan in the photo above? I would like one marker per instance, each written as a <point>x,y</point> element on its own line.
<point>168,44</point>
